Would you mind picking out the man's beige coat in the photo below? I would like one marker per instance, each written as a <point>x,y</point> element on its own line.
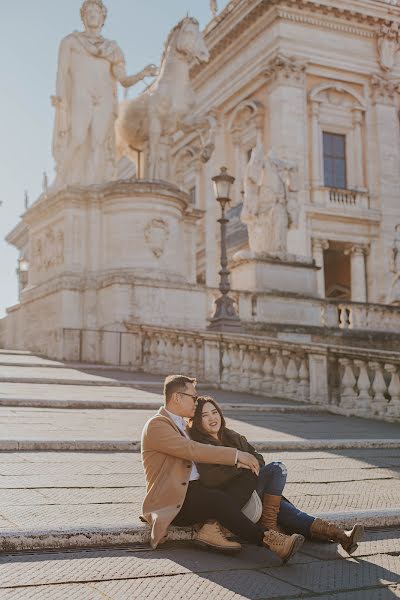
<point>167,457</point>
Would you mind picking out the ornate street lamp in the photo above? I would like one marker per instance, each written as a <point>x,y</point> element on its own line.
<point>225,317</point>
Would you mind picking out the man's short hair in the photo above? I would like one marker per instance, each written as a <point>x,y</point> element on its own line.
<point>176,383</point>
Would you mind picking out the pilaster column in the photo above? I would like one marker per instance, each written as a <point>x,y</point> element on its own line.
<point>358,149</point>
<point>318,247</point>
<point>358,273</point>
<point>316,150</point>
<point>238,165</point>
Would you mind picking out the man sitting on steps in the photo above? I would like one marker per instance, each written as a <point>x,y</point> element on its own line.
<point>174,494</point>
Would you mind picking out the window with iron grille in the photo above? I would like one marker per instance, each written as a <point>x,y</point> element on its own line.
<point>334,145</point>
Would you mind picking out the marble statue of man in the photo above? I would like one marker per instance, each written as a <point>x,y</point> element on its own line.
<point>394,293</point>
<point>86,103</point>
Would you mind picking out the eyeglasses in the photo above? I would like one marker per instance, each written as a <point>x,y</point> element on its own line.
<point>195,398</point>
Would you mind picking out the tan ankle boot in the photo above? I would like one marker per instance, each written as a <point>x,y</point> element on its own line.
<point>323,530</point>
<point>285,546</point>
<point>269,517</point>
<point>211,536</point>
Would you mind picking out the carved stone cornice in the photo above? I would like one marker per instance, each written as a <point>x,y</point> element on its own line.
<point>383,90</point>
<point>303,11</point>
<point>286,69</point>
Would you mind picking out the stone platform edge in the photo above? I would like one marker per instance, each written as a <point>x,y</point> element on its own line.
<point>73,538</point>
<point>26,445</point>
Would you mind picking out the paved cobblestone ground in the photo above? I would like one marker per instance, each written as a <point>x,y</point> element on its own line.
<point>59,490</point>
<point>183,572</point>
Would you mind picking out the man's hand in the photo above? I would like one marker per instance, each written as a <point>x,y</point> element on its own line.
<point>150,71</point>
<point>248,461</point>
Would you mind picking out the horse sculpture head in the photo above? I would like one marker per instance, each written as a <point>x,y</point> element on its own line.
<point>187,39</point>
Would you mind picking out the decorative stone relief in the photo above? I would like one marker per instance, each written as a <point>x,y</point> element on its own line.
<point>388,45</point>
<point>156,234</point>
<point>48,250</point>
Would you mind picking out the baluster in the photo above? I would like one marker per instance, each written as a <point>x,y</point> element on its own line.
<point>146,352</point>
<point>268,369</point>
<point>161,355</point>
<point>256,369</point>
<point>379,388</point>
<point>234,352</point>
<point>199,353</point>
<point>292,376</point>
<point>348,397</point>
<point>184,355</point>
<point>278,385</point>
<point>304,385</point>
<point>245,370</point>
<point>393,408</point>
<point>363,406</point>
<point>226,364</point>
<point>192,368</point>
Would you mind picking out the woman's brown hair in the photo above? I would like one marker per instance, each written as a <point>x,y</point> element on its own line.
<point>195,425</point>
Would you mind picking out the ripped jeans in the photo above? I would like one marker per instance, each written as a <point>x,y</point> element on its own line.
<point>272,480</point>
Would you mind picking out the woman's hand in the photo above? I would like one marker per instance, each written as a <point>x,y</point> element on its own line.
<point>248,461</point>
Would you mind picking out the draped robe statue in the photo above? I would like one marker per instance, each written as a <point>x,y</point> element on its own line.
<point>86,103</point>
<point>266,207</point>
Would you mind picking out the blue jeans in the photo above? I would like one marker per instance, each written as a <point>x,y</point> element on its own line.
<point>272,480</point>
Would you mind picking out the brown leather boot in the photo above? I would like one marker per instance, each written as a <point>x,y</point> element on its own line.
<point>211,536</point>
<point>323,530</point>
<point>269,516</point>
<point>285,546</point>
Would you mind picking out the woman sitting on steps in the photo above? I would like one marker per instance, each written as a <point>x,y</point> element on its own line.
<point>278,513</point>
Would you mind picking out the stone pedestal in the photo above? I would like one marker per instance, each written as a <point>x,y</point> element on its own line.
<point>279,273</point>
<point>102,256</point>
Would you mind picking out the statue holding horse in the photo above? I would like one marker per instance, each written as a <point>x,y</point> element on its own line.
<point>146,123</point>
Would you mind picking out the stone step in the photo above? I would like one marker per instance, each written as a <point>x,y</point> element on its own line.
<point>155,404</point>
<point>72,445</point>
<point>47,539</point>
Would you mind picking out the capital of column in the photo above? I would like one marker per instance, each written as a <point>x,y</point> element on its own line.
<point>358,250</point>
<point>357,116</point>
<point>315,108</point>
<point>318,245</point>
<point>383,90</point>
<point>290,70</point>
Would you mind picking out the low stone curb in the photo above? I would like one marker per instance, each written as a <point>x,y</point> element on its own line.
<point>133,405</point>
<point>134,445</point>
<point>28,540</point>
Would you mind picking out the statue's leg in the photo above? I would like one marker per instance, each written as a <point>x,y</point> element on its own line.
<point>102,142</point>
<point>73,168</point>
<point>154,143</point>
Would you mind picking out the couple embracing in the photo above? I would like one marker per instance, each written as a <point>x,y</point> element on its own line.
<point>199,472</point>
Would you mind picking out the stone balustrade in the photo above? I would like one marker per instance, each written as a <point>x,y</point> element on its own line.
<point>365,383</point>
<point>341,198</point>
<point>368,317</point>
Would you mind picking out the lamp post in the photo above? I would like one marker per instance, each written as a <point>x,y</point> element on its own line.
<point>225,317</point>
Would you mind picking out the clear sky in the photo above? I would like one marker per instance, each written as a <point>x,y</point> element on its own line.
<point>30,33</point>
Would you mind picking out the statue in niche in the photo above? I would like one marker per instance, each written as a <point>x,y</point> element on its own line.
<point>86,103</point>
<point>149,121</point>
<point>394,266</point>
<point>388,45</point>
<point>268,206</point>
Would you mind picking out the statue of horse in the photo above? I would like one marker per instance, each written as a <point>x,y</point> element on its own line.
<point>169,104</point>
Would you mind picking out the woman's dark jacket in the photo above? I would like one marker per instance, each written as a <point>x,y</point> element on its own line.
<point>238,483</point>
